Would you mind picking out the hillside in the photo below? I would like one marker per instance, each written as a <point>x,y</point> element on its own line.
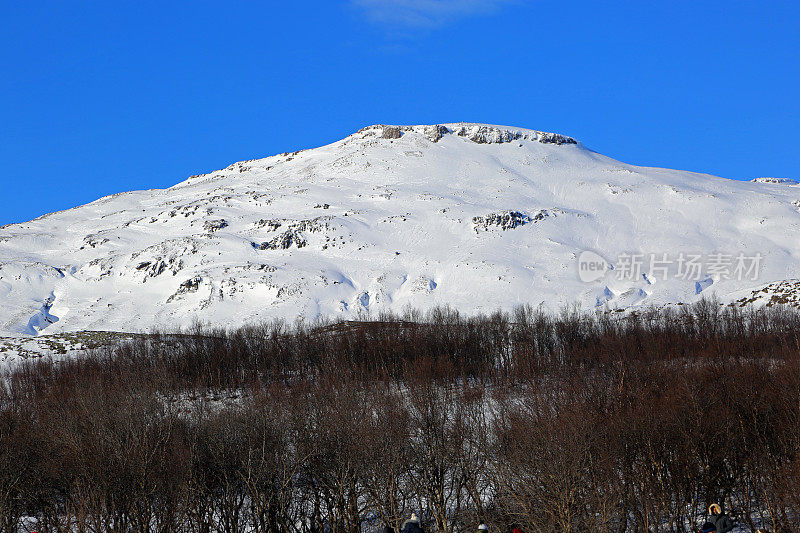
<point>475,216</point>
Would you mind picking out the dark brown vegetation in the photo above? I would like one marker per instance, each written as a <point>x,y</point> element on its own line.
<point>568,423</point>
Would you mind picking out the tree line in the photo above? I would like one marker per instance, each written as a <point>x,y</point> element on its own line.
<point>570,422</point>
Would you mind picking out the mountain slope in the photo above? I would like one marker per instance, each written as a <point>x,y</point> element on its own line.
<point>480,217</point>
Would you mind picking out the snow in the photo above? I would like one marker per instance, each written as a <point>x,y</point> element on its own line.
<point>781,181</point>
<point>477,216</point>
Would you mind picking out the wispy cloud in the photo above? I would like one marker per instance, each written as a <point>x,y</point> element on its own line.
<point>424,14</point>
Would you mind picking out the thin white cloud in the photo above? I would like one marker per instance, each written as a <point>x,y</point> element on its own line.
<point>424,13</point>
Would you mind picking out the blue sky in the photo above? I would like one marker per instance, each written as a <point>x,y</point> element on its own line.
<point>102,97</point>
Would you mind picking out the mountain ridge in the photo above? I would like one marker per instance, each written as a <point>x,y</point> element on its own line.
<point>476,216</point>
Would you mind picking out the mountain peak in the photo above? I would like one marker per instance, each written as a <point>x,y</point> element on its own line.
<point>477,133</point>
<point>477,216</point>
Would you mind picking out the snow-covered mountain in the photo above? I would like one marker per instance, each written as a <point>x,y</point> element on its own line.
<point>480,217</point>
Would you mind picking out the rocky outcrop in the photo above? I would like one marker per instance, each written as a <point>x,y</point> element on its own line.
<point>166,256</point>
<point>272,225</point>
<point>293,235</point>
<point>486,134</point>
<point>391,132</point>
<point>477,133</point>
<point>93,240</point>
<point>188,286</point>
<point>211,226</point>
<point>161,265</point>
<point>780,181</point>
<point>436,132</point>
<point>284,241</point>
<point>506,220</point>
<point>312,225</point>
<point>785,292</point>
